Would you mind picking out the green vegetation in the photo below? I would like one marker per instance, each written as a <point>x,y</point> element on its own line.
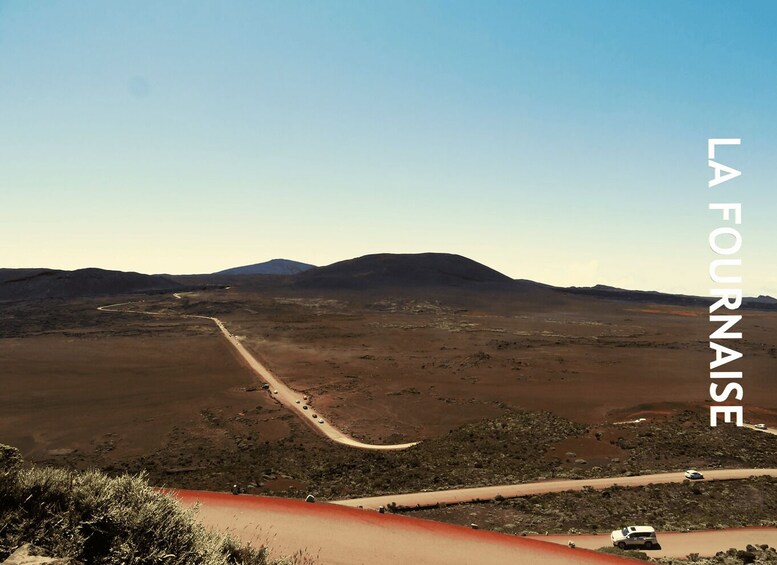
<point>100,520</point>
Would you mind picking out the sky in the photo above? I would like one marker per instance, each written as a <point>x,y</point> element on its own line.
<point>558,141</point>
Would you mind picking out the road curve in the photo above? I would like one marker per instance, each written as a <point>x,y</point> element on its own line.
<point>284,395</point>
<point>453,496</point>
<point>336,535</point>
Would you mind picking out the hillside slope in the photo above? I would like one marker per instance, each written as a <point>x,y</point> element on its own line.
<point>405,270</point>
<point>38,284</point>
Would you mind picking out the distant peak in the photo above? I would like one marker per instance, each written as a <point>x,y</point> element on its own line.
<point>271,267</point>
<point>403,269</point>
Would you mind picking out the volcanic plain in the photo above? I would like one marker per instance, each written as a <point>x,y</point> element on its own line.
<point>501,381</point>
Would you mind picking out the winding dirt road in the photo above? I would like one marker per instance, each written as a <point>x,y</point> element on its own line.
<point>336,535</point>
<point>680,544</point>
<point>339,535</point>
<point>278,389</point>
<point>453,496</point>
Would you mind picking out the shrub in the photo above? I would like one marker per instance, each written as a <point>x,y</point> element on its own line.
<point>101,520</point>
<point>633,553</point>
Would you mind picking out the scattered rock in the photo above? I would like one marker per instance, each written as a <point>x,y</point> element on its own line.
<point>29,555</point>
<point>60,451</point>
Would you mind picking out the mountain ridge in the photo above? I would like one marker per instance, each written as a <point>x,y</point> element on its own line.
<point>41,284</point>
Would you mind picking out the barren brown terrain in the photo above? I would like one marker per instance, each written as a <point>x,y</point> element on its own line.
<point>501,381</point>
<point>407,368</point>
<point>110,387</point>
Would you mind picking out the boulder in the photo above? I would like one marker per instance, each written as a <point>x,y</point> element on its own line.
<point>28,555</point>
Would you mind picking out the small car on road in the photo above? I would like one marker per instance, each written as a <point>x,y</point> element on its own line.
<point>693,475</point>
<point>634,536</point>
<point>760,426</point>
<point>320,420</point>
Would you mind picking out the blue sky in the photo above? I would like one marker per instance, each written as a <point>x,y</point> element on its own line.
<point>563,142</point>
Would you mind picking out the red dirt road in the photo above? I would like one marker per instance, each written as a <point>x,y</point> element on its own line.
<point>282,393</point>
<point>337,535</point>
<point>680,544</point>
<point>453,496</point>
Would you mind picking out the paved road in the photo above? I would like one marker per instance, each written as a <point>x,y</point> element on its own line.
<point>488,493</point>
<point>336,535</point>
<point>278,389</point>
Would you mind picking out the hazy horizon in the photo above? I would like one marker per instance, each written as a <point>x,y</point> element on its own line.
<point>167,273</point>
<point>560,142</point>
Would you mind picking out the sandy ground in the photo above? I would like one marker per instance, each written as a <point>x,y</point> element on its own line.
<point>676,544</point>
<point>335,535</point>
<point>487,493</point>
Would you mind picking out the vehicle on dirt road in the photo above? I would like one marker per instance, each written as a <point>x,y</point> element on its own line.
<point>634,536</point>
<point>693,475</point>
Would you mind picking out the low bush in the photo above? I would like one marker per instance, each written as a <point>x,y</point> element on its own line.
<point>100,520</point>
<point>632,553</point>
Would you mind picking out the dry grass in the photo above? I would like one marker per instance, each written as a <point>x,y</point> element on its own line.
<point>101,520</point>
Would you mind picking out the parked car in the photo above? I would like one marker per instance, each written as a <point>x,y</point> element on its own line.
<point>693,475</point>
<point>305,407</point>
<point>265,386</point>
<point>297,401</point>
<point>320,420</point>
<point>634,536</point>
<point>760,426</point>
